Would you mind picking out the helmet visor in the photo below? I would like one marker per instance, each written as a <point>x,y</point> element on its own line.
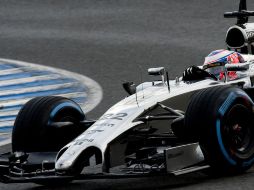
<point>216,71</point>
<point>215,68</point>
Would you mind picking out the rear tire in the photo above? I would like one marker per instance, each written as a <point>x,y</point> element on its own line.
<point>221,119</point>
<point>32,131</point>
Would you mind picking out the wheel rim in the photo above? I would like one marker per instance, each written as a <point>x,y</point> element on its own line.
<point>60,136</point>
<point>238,133</point>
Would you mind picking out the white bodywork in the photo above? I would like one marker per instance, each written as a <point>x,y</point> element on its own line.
<point>121,116</point>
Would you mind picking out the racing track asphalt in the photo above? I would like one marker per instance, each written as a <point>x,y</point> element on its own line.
<point>112,41</point>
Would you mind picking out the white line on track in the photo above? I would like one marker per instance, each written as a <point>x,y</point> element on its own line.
<point>37,88</point>
<point>29,79</point>
<point>5,142</point>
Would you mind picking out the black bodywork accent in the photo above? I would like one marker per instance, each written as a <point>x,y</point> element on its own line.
<point>129,87</point>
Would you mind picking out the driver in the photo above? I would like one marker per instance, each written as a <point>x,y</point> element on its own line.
<point>215,66</point>
<point>216,60</point>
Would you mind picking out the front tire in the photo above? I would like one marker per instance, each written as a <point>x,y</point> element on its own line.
<point>32,131</point>
<point>221,119</point>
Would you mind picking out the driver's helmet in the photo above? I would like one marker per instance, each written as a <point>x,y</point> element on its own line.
<point>216,60</point>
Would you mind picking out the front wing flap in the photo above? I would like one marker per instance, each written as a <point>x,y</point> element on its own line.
<point>39,167</point>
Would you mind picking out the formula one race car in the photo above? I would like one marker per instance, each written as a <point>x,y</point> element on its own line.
<point>162,127</point>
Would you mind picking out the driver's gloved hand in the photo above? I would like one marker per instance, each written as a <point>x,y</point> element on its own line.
<point>195,73</point>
